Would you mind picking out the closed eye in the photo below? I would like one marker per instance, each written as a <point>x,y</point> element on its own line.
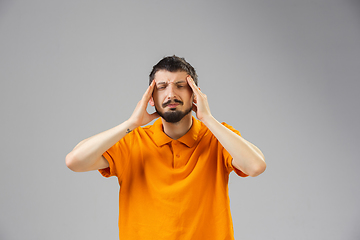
<point>182,86</point>
<point>161,87</point>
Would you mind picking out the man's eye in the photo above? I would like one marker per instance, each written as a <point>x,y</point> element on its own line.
<point>161,87</point>
<point>181,86</point>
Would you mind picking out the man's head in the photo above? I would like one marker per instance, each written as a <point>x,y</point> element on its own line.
<point>174,64</point>
<point>172,96</point>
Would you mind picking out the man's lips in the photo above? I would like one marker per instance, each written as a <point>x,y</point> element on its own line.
<point>174,105</point>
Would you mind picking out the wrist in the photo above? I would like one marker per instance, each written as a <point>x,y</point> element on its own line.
<point>208,120</point>
<point>130,125</point>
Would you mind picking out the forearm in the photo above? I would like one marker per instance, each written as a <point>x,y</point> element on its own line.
<point>87,155</point>
<point>246,156</point>
<point>89,151</point>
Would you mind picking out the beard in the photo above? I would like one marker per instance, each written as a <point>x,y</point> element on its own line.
<point>173,116</point>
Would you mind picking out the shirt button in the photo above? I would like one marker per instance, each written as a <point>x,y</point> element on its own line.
<point>177,155</point>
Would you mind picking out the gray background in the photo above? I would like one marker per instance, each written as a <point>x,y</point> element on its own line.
<point>284,73</point>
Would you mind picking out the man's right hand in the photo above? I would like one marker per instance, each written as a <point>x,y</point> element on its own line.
<point>87,155</point>
<point>140,116</point>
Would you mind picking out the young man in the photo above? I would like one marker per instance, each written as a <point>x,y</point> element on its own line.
<point>173,175</point>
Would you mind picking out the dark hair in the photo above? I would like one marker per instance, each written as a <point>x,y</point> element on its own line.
<point>173,64</point>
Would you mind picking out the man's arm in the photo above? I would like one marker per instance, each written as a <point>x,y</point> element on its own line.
<point>246,156</point>
<point>87,155</point>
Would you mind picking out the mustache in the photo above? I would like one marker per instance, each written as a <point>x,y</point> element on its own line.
<point>170,101</point>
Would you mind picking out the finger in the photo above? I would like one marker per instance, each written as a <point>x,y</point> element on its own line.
<point>149,91</point>
<point>196,90</point>
<point>146,97</point>
<point>192,84</point>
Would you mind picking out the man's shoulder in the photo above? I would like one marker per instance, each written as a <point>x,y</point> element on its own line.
<point>140,135</point>
<point>148,130</point>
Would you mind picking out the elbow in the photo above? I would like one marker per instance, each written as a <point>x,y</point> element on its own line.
<point>257,169</point>
<point>70,162</point>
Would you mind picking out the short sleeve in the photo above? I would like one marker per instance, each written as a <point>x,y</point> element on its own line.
<point>228,158</point>
<point>117,157</point>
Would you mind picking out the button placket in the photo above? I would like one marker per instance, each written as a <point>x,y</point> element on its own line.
<point>176,153</point>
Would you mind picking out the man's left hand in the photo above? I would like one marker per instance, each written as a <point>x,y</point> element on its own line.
<point>200,104</point>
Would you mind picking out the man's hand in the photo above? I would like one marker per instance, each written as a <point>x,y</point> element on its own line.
<point>246,157</point>
<point>140,116</point>
<point>201,107</point>
<point>87,155</point>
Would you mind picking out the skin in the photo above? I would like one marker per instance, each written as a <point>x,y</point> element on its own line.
<point>246,156</point>
<point>171,86</point>
<point>87,155</point>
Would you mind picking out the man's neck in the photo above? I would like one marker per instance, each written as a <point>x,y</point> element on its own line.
<point>179,129</point>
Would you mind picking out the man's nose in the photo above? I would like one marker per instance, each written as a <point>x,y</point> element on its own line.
<point>171,92</point>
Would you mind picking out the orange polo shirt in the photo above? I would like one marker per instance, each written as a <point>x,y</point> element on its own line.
<point>172,189</point>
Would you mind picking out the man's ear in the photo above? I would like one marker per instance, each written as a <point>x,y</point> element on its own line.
<point>151,102</point>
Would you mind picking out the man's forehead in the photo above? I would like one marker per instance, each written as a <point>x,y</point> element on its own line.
<point>168,77</point>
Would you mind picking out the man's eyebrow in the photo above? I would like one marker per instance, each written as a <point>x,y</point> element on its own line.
<point>176,82</point>
<point>180,81</point>
<point>160,83</point>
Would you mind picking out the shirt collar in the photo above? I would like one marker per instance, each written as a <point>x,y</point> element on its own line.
<point>160,138</point>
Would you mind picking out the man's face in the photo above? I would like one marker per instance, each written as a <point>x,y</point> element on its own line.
<point>172,96</point>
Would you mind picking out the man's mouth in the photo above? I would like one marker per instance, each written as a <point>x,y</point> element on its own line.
<point>172,104</point>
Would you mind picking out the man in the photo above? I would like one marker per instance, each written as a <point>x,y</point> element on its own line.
<point>173,175</point>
